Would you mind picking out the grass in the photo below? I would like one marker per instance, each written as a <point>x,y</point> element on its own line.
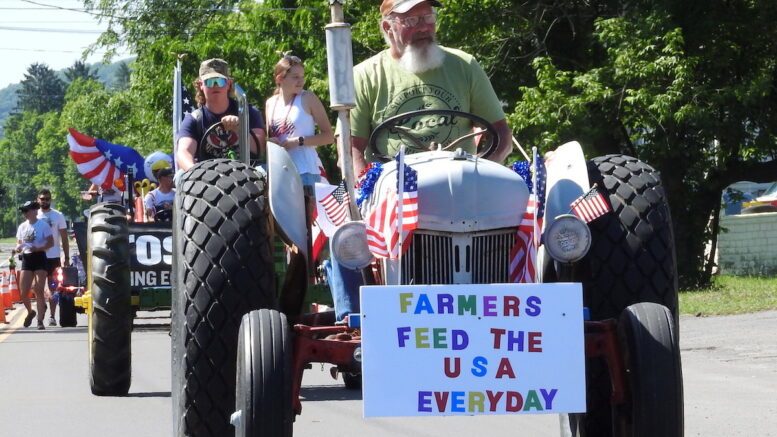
<point>727,295</point>
<point>8,240</point>
<point>731,295</point>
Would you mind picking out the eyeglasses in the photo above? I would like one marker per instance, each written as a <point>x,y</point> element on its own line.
<point>415,20</point>
<point>215,81</point>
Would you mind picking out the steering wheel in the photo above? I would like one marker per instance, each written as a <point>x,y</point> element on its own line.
<point>213,130</point>
<point>163,215</point>
<point>485,147</point>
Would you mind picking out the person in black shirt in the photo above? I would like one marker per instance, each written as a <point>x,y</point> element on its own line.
<point>216,104</point>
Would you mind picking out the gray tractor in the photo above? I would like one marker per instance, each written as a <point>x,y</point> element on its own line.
<point>241,339</point>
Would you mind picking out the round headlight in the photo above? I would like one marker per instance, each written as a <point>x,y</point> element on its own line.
<point>349,245</point>
<point>568,239</point>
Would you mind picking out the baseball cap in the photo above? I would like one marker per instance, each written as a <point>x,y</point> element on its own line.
<point>167,171</point>
<point>214,68</point>
<point>28,205</point>
<point>402,6</point>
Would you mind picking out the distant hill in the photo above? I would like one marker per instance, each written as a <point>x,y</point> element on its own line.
<point>106,73</point>
<point>7,103</point>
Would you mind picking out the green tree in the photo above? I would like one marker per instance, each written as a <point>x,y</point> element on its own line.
<point>18,165</point>
<point>80,70</point>
<point>41,91</point>
<point>689,88</point>
<point>122,76</point>
<point>686,86</point>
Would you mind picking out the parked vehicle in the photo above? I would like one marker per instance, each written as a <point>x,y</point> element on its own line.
<point>766,202</point>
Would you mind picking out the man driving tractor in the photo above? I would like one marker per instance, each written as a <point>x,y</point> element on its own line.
<point>414,73</point>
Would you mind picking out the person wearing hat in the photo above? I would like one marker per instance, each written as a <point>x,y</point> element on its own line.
<point>216,104</point>
<point>413,73</point>
<point>33,238</point>
<point>159,201</point>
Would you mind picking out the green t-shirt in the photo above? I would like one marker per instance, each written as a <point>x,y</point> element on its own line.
<point>384,89</point>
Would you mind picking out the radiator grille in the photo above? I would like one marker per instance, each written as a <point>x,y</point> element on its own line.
<point>438,258</point>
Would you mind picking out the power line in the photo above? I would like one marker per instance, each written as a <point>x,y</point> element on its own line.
<point>16,49</point>
<point>50,30</point>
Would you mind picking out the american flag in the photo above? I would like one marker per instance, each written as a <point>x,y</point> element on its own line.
<point>318,237</point>
<point>383,234</point>
<point>318,230</point>
<point>590,205</point>
<point>523,255</point>
<point>335,205</point>
<point>187,103</point>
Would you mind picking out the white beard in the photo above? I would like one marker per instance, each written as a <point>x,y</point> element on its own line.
<point>420,59</point>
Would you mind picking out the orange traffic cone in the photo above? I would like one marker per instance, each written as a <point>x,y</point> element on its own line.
<point>5,292</point>
<point>13,285</point>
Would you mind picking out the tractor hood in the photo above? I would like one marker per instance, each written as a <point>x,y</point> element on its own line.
<point>458,192</point>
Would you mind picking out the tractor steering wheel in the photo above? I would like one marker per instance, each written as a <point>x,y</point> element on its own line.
<point>485,147</point>
<point>218,133</point>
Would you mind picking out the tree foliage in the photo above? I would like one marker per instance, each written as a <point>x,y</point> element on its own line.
<point>80,70</point>
<point>41,91</point>
<point>121,77</point>
<point>686,86</point>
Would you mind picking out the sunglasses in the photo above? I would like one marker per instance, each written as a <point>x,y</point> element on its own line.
<point>215,82</point>
<point>415,20</point>
<point>293,59</point>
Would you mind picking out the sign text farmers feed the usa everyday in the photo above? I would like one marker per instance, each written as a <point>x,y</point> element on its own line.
<point>472,349</point>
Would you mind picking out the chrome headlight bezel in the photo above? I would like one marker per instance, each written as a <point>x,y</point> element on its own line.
<point>349,245</point>
<point>567,239</point>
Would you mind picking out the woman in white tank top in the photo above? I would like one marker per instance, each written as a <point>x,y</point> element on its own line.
<point>292,116</point>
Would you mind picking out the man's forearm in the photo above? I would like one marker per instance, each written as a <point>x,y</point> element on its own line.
<point>505,145</point>
<point>358,146</point>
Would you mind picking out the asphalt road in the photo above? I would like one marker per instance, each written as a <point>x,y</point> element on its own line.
<point>729,363</point>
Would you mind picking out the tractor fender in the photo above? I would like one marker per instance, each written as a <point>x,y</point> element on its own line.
<point>567,179</point>
<point>287,200</point>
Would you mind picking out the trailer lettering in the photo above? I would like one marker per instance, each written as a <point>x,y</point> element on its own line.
<point>150,251</point>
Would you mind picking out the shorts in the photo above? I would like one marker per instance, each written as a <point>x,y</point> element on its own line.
<point>34,261</point>
<point>51,266</point>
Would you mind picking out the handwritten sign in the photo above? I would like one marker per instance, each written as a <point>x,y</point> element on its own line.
<point>472,349</point>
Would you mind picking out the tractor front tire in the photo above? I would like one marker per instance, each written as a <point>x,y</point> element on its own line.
<point>652,357</point>
<point>263,394</point>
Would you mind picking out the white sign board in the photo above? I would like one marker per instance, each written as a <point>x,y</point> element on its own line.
<point>472,349</point>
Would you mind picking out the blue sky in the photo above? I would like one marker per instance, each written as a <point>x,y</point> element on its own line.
<point>44,31</point>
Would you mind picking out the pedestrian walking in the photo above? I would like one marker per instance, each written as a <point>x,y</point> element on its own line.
<point>33,238</point>
<point>58,225</point>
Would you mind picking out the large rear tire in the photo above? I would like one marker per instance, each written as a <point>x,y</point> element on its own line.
<point>632,260</point>
<point>263,395</point>
<point>222,269</point>
<point>110,318</point>
<point>652,358</point>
